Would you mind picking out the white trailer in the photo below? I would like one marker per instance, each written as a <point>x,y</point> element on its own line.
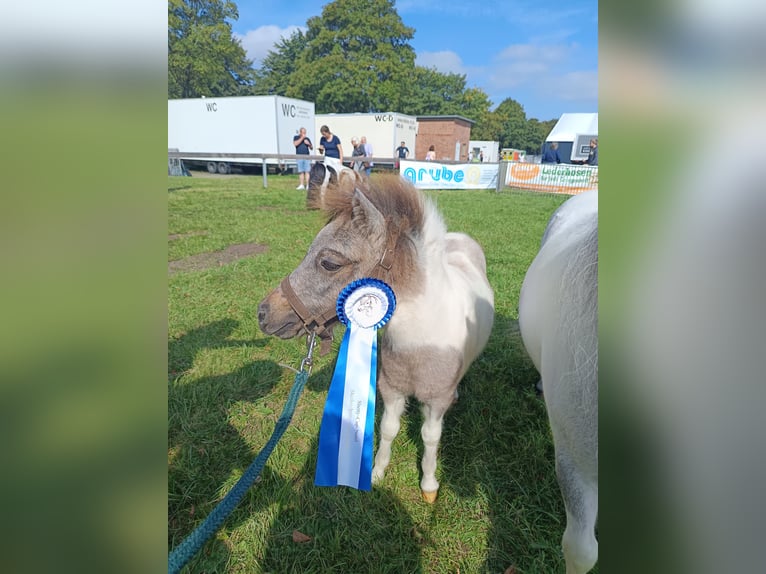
<point>385,131</point>
<point>244,124</point>
<point>489,149</point>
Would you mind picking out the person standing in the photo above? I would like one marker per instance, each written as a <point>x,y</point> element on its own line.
<point>368,152</point>
<point>329,144</point>
<point>593,155</point>
<point>431,154</point>
<point>356,152</point>
<point>400,153</point>
<point>551,155</point>
<point>302,145</point>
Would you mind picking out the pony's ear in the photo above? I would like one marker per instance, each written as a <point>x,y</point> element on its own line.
<point>347,181</point>
<point>365,214</point>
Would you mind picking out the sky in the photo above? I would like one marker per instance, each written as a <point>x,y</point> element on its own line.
<point>544,55</point>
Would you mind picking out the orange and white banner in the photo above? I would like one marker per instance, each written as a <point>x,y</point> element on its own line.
<point>552,178</point>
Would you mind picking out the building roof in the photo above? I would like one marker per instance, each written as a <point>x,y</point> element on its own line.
<point>444,118</point>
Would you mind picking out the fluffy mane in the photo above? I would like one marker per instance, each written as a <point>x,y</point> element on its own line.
<point>408,214</point>
<point>393,196</point>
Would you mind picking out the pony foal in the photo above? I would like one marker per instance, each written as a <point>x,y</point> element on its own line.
<point>445,305</point>
<point>558,319</point>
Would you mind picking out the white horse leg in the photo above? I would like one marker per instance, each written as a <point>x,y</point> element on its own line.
<point>581,501</point>
<point>431,433</point>
<point>389,427</point>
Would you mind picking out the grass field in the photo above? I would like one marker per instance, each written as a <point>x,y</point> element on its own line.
<point>499,505</point>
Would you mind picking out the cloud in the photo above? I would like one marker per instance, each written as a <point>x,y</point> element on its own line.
<point>545,68</point>
<point>550,54</point>
<point>576,86</point>
<point>257,43</point>
<point>445,61</point>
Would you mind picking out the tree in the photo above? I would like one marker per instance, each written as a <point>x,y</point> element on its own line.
<point>204,59</point>
<point>279,65</point>
<point>513,124</point>
<point>475,104</point>
<point>429,92</point>
<point>356,59</point>
<point>538,131</point>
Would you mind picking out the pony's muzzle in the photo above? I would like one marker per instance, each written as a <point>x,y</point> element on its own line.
<point>276,317</point>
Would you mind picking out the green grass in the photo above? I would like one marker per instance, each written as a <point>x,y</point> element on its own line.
<point>498,505</point>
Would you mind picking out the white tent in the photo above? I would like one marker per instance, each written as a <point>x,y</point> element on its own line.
<point>573,132</point>
<point>570,126</point>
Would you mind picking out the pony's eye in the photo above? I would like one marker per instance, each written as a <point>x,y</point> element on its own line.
<point>329,265</point>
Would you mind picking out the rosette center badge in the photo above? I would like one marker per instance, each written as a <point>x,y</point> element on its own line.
<point>366,307</point>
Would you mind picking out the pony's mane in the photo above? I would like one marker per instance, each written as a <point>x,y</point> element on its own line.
<point>407,213</point>
<point>396,198</point>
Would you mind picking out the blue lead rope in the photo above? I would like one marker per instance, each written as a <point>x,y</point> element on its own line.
<point>191,545</point>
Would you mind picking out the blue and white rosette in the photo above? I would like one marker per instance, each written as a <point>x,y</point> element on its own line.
<point>345,436</point>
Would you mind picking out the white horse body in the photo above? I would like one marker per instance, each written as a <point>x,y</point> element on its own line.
<point>558,319</point>
<point>454,279</point>
<point>452,316</point>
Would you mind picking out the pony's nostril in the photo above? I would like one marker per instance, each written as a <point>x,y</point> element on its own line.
<point>263,310</point>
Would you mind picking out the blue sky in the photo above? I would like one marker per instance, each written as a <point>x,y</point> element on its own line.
<point>542,54</point>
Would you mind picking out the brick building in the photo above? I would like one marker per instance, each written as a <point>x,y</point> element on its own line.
<point>448,134</point>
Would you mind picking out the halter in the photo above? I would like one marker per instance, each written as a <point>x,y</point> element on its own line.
<point>322,324</point>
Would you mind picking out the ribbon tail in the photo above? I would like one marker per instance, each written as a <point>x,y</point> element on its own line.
<point>329,431</point>
<point>365,471</point>
<point>346,434</point>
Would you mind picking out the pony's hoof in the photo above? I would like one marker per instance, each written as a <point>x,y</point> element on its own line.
<point>429,496</point>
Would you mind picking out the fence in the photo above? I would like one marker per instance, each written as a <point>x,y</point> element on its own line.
<point>549,178</point>
<point>261,158</point>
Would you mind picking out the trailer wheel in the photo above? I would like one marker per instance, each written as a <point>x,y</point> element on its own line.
<point>223,168</point>
<point>211,167</point>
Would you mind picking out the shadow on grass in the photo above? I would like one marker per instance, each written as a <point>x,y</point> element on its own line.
<point>203,447</point>
<point>496,453</point>
<point>496,446</point>
<point>350,531</point>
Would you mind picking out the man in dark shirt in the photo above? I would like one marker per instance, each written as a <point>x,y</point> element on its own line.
<point>551,154</point>
<point>401,153</point>
<point>302,146</point>
<point>593,155</point>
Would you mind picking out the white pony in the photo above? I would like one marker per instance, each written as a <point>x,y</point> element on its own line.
<point>558,319</point>
<point>386,228</point>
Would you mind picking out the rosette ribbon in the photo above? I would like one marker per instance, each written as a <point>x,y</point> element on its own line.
<point>345,435</point>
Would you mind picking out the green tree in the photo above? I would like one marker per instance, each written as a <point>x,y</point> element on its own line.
<point>537,132</point>
<point>204,59</point>
<point>513,124</point>
<point>356,59</point>
<point>279,65</point>
<point>475,106</point>
<point>429,92</point>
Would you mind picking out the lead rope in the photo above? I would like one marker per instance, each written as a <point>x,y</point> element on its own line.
<point>191,545</point>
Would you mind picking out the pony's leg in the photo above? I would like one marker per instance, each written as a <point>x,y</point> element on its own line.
<point>394,404</point>
<point>431,432</point>
<point>581,502</point>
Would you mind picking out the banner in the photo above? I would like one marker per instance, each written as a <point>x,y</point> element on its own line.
<point>552,177</point>
<point>434,175</point>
